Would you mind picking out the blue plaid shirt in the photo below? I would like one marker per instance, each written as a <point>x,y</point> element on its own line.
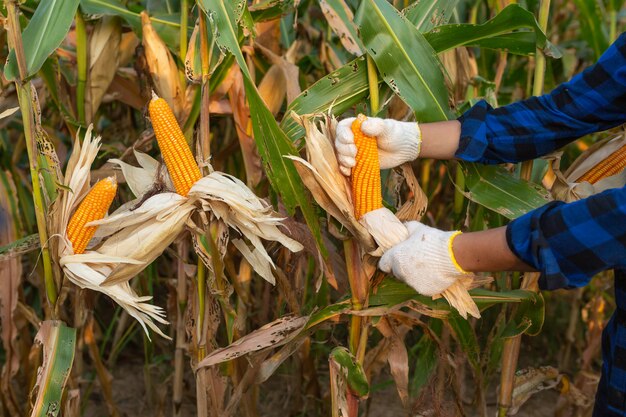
<point>568,243</point>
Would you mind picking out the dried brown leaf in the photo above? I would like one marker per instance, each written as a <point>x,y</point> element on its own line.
<point>104,55</point>
<point>9,112</point>
<point>273,88</point>
<point>241,115</point>
<point>128,44</point>
<point>529,382</point>
<point>286,64</point>
<point>125,88</point>
<point>338,389</point>
<point>10,277</point>
<point>417,203</point>
<point>340,27</point>
<point>397,356</point>
<point>273,334</point>
<point>269,366</point>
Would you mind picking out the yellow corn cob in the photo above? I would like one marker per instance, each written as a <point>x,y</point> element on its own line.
<point>612,165</point>
<point>366,188</point>
<point>178,158</point>
<point>93,207</point>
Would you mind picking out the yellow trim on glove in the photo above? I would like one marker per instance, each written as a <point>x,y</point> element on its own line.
<point>451,252</point>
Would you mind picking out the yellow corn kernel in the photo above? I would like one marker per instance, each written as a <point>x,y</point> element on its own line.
<point>176,153</point>
<point>366,187</point>
<point>93,207</point>
<point>613,164</point>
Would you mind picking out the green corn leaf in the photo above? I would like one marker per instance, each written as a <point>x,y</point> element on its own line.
<point>328,313</point>
<point>58,342</point>
<point>271,141</point>
<point>528,318</point>
<point>496,33</point>
<point>494,187</point>
<point>407,62</point>
<point>466,337</point>
<point>43,34</point>
<point>592,27</point>
<point>270,9</point>
<point>343,88</point>
<point>426,15</point>
<point>355,375</point>
<point>341,21</point>
<point>166,25</point>
<point>339,90</point>
<point>426,351</point>
<point>392,292</point>
<point>48,74</point>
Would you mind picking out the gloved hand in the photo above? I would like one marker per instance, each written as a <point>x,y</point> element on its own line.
<point>425,260</point>
<point>398,142</point>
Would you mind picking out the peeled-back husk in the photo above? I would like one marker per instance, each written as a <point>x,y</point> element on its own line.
<point>91,269</point>
<point>157,221</point>
<point>387,230</point>
<point>379,230</point>
<point>566,186</point>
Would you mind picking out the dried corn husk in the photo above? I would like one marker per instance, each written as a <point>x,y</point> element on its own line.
<point>144,232</point>
<point>377,232</point>
<point>321,175</point>
<point>104,53</point>
<point>90,269</point>
<point>566,186</point>
<point>163,69</point>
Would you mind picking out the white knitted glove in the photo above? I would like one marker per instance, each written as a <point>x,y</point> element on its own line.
<point>425,260</point>
<point>398,142</point>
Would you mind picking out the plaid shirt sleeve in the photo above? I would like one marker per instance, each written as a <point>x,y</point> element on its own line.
<point>592,101</point>
<point>568,243</point>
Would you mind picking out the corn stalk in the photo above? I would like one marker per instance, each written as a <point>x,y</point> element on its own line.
<point>511,350</point>
<point>24,95</point>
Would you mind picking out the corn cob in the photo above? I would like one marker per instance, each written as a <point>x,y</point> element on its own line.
<point>366,187</point>
<point>176,153</point>
<point>612,165</point>
<point>93,207</point>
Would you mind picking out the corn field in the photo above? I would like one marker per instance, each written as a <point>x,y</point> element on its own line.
<point>176,238</point>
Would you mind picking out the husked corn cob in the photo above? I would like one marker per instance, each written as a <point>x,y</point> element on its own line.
<point>93,207</point>
<point>366,187</point>
<point>176,153</point>
<point>612,165</point>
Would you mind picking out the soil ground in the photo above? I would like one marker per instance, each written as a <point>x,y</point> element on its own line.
<point>133,399</point>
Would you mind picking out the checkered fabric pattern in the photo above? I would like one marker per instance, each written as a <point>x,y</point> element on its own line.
<point>568,243</point>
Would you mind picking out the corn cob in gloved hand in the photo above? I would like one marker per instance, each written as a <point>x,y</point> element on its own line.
<point>419,255</point>
<point>397,142</point>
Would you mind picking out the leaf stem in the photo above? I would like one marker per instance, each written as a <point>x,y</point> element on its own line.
<point>81,63</point>
<point>372,78</point>
<point>184,14</point>
<point>201,289</point>
<point>539,79</point>
<point>613,25</point>
<point>25,102</point>
<point>205,56</point>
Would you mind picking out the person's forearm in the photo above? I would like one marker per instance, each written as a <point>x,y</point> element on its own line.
<point>440,140</point>
<point>486,251</point>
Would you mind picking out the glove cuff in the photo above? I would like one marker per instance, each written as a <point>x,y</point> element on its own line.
<point>440,250</point>
<point>451,252</point>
